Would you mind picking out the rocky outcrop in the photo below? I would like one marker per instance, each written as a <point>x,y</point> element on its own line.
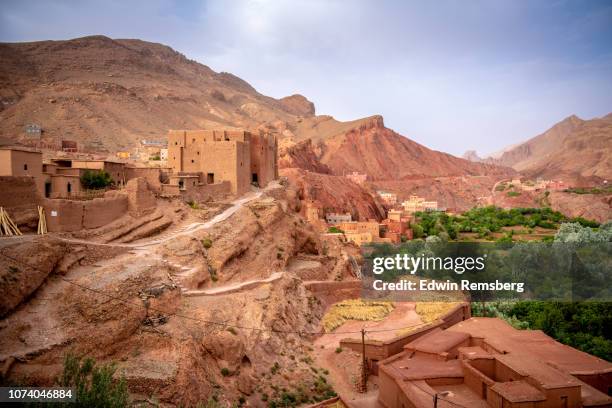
<point>24,266</point>
<point>298,105</point>
<point>335,194</point>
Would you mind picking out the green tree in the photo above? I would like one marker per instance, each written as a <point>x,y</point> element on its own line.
<point>96,179</point>
<point>95,385</point>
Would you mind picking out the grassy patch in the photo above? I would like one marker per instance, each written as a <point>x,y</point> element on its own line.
<point>355,309</point>
<point>430,311</point>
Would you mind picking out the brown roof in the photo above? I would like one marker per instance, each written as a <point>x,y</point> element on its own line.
<point>518,391</point>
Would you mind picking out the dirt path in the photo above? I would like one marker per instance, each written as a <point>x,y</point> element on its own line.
<point>234,287</point>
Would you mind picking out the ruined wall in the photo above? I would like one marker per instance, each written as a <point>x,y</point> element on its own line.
<point>63,215</point>
<point>151,174</point>
<point>102,211</point>
<point>140,199</point>
<point>71,215</point>
<point>334,291</point>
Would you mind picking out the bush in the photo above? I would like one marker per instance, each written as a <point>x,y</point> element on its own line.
<point>513,193</point>
<point>338,350</point>
<point>207,243</point>
<point>96,179</point>
<point>225,372</point>
<point>335,230</point>
<point>95,386</point>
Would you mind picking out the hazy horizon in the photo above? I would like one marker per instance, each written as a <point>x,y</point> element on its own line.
<point>454,76</point>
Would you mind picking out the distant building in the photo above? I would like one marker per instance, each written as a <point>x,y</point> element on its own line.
<point>163,154</point>
<point>359,238</point>
<point>417,204</point>
<point>69,146</point>
<point>336,218</point>
<point>357,178</point>
<point>389,199</point>
<point>154,143</point>
<point>33,131</point>
<point>371,227</point>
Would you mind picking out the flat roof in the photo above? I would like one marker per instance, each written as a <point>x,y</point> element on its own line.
<point>518,391</point>
<point>437,341</point>
<point>504,337</point>
<point>21,149</point>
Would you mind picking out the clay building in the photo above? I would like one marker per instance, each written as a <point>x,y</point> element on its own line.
<point>389,199</point>
<point>21,161</point>
<point>337,218</point>
<point>60,182</point>
<point>115,169</point>
<point>417,204</point>
<point>357,178</point>
<point>485,362</point>
<point>237,156</point>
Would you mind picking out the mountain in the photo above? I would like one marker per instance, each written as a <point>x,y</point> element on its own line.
<point>109,94</point>
<point>574,149</point>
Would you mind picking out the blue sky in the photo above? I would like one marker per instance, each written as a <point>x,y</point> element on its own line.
<point>453,75</point>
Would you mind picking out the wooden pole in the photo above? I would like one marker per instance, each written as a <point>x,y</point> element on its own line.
<point>364,373</point>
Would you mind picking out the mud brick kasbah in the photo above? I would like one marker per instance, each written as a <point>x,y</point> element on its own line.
<point>237,156</point>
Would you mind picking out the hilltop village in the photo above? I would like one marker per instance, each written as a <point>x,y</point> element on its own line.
<point>205,230</point>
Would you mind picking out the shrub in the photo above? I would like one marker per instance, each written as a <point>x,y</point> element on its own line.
<point>513,193</point>
<point>193,205</point>
<point>95,386</point>
<point>225,371</point>
<point>207,243</point>
<point>96,179</point>
<point>335,230</point>
<point>338,350</point>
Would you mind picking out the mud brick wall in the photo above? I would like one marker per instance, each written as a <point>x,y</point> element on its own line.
<point>72,215</point>
<point>151,174</point>
<point>63,215</point>
<point>140,199</point>
<point>101,211</point>
<point>206,192</point>
<point>18,192</point>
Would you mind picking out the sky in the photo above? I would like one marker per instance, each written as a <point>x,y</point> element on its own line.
<point>452,75</point>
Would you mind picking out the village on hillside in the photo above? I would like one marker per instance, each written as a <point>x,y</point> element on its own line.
<point>183,208</point>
